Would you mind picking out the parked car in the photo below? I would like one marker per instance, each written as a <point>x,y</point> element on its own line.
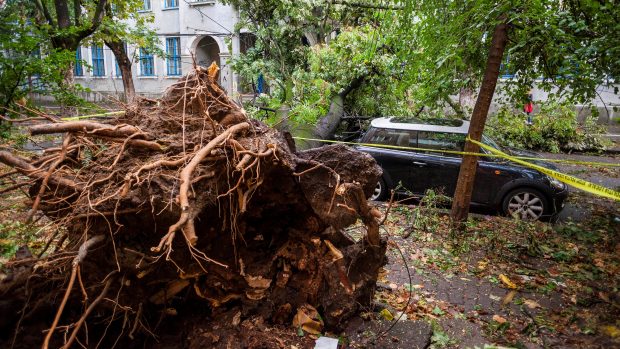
<point>501,185</point>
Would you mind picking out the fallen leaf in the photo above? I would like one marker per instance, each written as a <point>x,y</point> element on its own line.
<point>573,299</point>
<point>611,331</point>
<point>308,319</point>
<point>171,312</point>
<point>495,298</point>
<point>499,319</point>
<point>603,296</point>
<point>531,304</point>
<point>508,297</point>
<point>386,314</point>
<point>438,311</point>
<point>410,287</point>
<point>506,281</point>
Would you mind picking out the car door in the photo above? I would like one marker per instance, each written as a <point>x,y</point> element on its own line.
<point>396,163</point>
<point>492,173</point>
<point>435,169</point>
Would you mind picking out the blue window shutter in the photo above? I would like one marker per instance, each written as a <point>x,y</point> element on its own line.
<point>78,70</point>
<point>146,63</point>
<point>171,3</point>
<point>173,53</point>
<point>98,60</point>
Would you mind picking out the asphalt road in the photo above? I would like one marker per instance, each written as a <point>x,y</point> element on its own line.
<point>580,204</point>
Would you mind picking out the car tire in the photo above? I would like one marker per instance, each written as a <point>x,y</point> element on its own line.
<point>380,192</point>
<point>526,204</point>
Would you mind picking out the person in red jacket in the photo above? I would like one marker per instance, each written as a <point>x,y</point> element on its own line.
<point>528,108</point>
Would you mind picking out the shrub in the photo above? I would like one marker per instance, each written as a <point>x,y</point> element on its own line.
<point>555,129</point>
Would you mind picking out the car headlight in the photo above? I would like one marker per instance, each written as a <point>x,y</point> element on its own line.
<point>556,184</point>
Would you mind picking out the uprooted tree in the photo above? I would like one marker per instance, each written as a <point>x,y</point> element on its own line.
<point>184,206</point>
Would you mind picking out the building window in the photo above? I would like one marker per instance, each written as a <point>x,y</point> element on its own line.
<point>78,70</point>
<point>171,3</point>
<point>98,60</point>
<point>173,52</point>
<point>146,63</point>
<point>146,5</point>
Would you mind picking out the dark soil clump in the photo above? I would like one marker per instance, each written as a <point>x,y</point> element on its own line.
<point>184,211</point>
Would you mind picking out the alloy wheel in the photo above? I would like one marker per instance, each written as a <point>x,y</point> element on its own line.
<point>376,194</point>
<point>526,205</point>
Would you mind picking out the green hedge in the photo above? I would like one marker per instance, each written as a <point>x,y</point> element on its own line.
<point>555,129</point>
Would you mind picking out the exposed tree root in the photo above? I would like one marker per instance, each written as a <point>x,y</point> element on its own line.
<point>260,226</point>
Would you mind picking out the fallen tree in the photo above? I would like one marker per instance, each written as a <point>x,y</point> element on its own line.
<point>183,206</point>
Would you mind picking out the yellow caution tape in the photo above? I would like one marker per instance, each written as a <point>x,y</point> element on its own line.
<point>397,147</point>
<point>570,180</point>
<point>571,162</point>
<point>73,118</point>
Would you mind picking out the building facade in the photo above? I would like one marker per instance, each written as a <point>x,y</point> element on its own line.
<point>189,31</point>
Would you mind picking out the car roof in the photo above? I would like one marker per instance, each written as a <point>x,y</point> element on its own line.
<point>412,124</point>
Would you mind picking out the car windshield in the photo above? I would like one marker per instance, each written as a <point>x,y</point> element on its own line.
<point>490,142</point>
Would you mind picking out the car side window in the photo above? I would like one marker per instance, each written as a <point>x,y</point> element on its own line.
<point>402,138</point>
<point>441,141</point>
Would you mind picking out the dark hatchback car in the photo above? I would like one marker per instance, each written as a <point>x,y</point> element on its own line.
<point>500,185</point>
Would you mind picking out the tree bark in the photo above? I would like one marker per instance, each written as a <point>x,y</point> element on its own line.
<point>467,173</point>
<point>327,125</point>
<point>124,63</point>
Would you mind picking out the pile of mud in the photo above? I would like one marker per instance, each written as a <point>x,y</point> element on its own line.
<point>183,208</point>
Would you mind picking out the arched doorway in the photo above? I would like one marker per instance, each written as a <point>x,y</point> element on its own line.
<point>207,52</point>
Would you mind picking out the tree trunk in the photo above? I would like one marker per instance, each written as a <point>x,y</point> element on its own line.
<point>327,125</point>
<point>68,81</point>
<point>467,173</point>
<point>456,107</point>
<point>124,63</point>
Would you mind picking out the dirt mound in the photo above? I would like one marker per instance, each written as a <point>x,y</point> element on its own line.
<point>185,207</point>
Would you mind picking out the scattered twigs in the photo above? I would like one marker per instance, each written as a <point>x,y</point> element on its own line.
<point>34,111</point>
<point>83,250</point>
<point>8,174</point>
<point>387,211</point>
<point>15,121</point>
<point>14,187</point>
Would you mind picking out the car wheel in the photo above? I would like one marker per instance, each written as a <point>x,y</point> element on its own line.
<point>525,203</point>
<point>380,192</point>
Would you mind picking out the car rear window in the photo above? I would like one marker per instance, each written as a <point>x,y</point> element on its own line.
<point>402,138</point>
